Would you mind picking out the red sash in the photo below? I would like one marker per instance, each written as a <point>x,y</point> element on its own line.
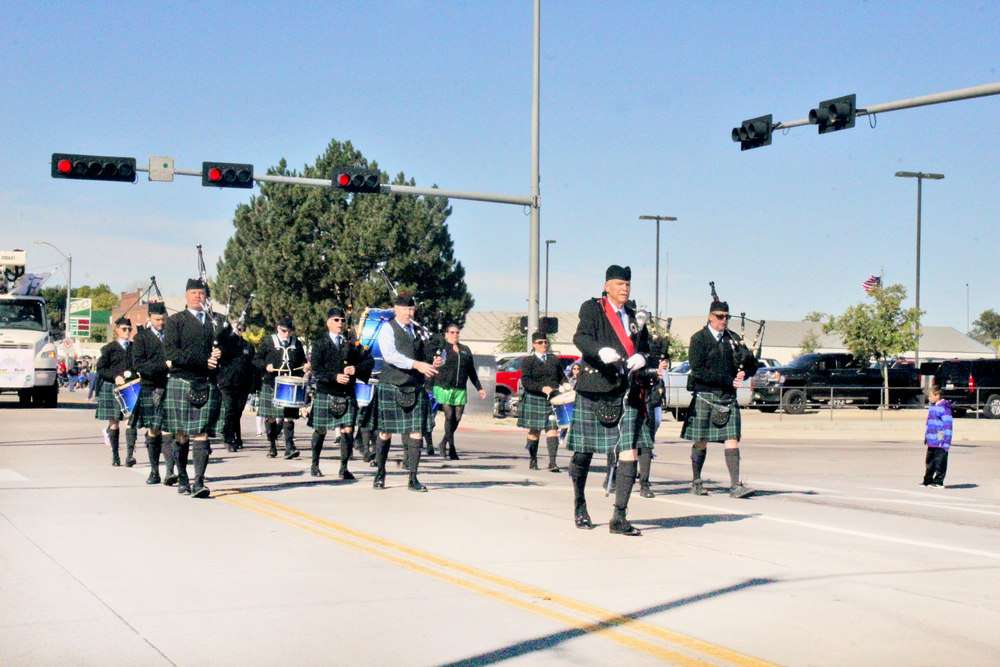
<point>616,324</point>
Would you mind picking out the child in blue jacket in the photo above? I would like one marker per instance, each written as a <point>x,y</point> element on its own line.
<point>937,438</point>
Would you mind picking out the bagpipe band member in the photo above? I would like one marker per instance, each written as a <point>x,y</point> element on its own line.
<point>402,398</point>
<point>541,373</point>
<point>116,367</point>
<point>719,365</point>
<point>609,414</point>
<point>280,353</point>
<point>192,399</point>
<point>337,365</point>
<point>237,375</point>
<point>151,362</point>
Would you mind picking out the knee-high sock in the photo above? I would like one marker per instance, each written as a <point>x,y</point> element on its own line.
<point>114,435</point>
<point>733,463</point>
<point>289,431</point>
<point>579,468</point>
<point>182,461</point>
<point>200,456</point>
<point>130,438</point>
<point>346,446</point>
<point>645,462</point>
<point>169,456</point>
<point>697,462</point>
<point>553,444</point>
<point>317,446</point>
<point>271,430</point>
<point>532,448</point>
<point>624,480</point>
<point>153,446</point>
<point>413,445</point>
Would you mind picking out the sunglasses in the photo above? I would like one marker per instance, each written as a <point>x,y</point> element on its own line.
<point>541,342</point>
<point>337,319</point>
<point>723,316</point>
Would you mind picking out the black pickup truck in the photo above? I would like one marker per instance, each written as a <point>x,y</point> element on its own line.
<point>817,378</point>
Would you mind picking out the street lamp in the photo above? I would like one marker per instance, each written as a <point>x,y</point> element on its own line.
<point>547,244</point>
<point>656,308</point>
<point>920,176</point>
<point>69,279</point>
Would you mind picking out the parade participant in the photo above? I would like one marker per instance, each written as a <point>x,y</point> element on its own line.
<point>151,362</point>
<point>609,414</point>
<point>541,374</point>
<point>458,370</point>
<point>719,364</point>
<point>337,364</point>
<point>279,354</point>
<point>236,379</point>
<point>402,399</point>
<point>116,367</point>
<point>192,399</point>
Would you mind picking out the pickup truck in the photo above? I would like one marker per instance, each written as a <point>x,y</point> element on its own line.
<point>817,378</point>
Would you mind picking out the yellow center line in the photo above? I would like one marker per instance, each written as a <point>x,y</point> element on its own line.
<point>606,624</point>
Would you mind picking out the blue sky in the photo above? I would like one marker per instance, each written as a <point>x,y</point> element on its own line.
<point>637,103</point>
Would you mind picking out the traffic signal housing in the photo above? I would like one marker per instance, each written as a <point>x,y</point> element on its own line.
<point>836,114</point>
<point>356,179</point>
<point>93,167</point>
<point>753,133</point>
<point>227,174</point>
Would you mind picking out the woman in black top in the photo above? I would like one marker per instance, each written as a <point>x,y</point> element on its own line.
<point>450,386</point>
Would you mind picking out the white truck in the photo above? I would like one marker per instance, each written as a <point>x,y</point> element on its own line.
<point>28,359</point>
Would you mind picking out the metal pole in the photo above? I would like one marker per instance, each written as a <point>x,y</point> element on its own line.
<point>535,225</point>
<point>916,350</point>
<point>658,218</point>
<point>69,290</point>
<point>547,244</point>
<point>967,325</point>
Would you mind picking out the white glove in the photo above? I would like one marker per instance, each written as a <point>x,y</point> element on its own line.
<point>635,362</point>
<point>608,355</point>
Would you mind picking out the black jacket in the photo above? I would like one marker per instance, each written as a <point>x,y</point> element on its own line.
<point>459,368</point>
<point>595,332</point>
<point>116,361</point>
<point>536,374</point>
<point>236,367</point>
<point>328,361</point>
<point>714,365</point>
<point>150,358</point>
<point>188,345</point>
<point>270,353</point>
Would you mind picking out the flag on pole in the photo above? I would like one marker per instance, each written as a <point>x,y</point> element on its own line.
<point>872,283</point>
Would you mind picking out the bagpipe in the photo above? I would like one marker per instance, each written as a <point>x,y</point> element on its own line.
<point>146,293</point>
<point>746,357</point>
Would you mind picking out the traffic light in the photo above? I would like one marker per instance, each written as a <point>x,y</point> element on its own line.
<point>356,179</point>
<point>93,167</point>
<point>835,114</point>
<point>753,133</point>
<point>548,325</point>
<point>227,174</point>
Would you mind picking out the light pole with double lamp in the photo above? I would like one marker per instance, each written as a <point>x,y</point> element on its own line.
<point>656,308</point>
<point>920,176</point>
<point>69,279</point>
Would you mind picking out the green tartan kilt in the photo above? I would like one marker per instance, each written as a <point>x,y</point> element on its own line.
<point>184,419</point>
<point>699,427</point>
<point>536,413</point>
<point>588,434</point>
<point>268,410</point>
<point>323,419</point>
<point>149,411</point>
<point>107,404</point>
<point>394,419</point>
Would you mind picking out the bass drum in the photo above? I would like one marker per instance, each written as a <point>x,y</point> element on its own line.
<point>372,320</point>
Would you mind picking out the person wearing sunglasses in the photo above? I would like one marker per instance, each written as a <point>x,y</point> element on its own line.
<point>714,414</point>
<point>338,363</point>
<point>281,352</point>
<point>151,363</point>
<point>450,386</point>
<point>541,374</point>
<point>116,367</point>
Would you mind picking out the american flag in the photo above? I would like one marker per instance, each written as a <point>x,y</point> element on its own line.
<point>871,283</point>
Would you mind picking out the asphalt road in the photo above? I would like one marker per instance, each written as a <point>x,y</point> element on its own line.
<point>841,558</point>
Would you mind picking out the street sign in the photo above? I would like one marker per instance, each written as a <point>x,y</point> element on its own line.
<point>79,318</point>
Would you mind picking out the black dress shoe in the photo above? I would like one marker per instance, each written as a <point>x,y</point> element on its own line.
<point>582,520</point>
<point>417,486</point>
<point>346,475</point>
<point>623,527</point>
<point>129,463</point>
<point>379,483</point>
<point>315,471</point>
<point>698,489</point>
<point>184,489</point>
<point>554,468</point>
<point>533,464</point>
<point>646,492</point>
<point>294,454</point>
<point>272,453</point>
<point>200,492</point>
<point>169,480</point>
<point>154,478</point>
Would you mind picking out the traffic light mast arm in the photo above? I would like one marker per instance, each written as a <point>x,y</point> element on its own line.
<point>398,189</point>
<point>922,101</point>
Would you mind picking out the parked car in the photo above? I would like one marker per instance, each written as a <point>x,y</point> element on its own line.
<point>677,397</point>
<point>508,381</point>
<point>971,384</point>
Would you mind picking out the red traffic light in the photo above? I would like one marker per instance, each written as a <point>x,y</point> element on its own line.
<point>215,174</point>
<point>357,179</point>
<point>93,167</point>
<point>344,180</point>
<point>227,174</point>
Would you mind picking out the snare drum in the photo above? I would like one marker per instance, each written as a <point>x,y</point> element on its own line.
<point>289,391</point>
<point>562,405</point>
<point>363,393</point>
<point>127,396</point>
<point>372,320</point>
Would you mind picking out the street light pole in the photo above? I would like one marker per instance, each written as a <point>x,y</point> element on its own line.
<point>920,176</point>
<point>69,279</point>
<point>547,244</point>
<point>656,308</point>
